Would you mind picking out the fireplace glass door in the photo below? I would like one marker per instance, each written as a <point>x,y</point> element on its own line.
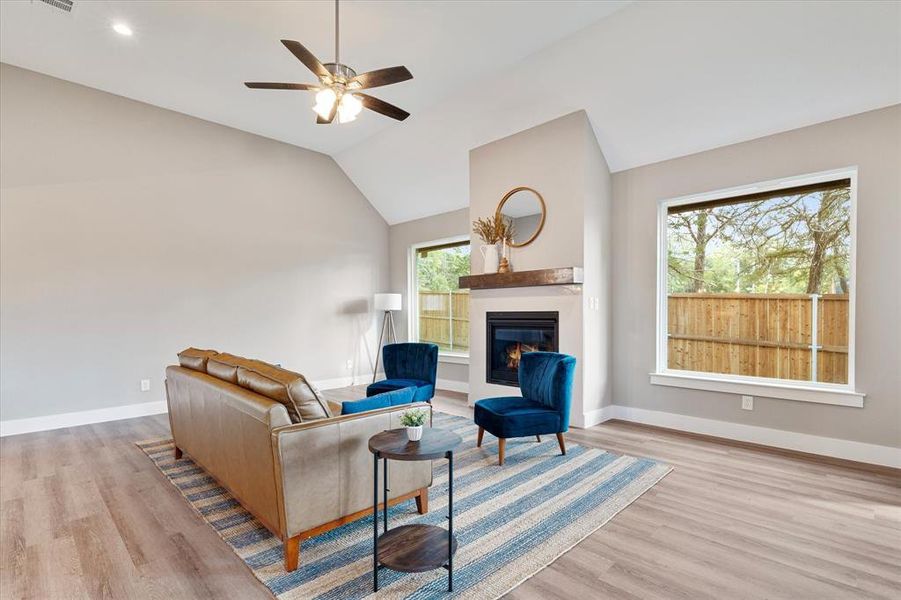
<point>510,335</point>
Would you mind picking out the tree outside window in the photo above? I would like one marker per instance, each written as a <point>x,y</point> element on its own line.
<point>759,285</point>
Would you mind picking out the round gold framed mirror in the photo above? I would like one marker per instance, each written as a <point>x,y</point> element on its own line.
<point>525,209</point>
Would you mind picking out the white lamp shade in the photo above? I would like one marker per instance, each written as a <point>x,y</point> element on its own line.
<point>387,301</point>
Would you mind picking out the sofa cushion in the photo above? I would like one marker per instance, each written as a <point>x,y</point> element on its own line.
<point>195,358</point>
<point>424,389</point>
<point>384,400</point>
<point>286,387</point>
<point>224,366</point>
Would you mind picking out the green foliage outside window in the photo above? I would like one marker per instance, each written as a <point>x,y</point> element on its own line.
<point>439,270</point>
<point>796,244</point>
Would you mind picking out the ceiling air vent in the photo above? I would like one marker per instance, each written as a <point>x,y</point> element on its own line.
<point>65,5</point>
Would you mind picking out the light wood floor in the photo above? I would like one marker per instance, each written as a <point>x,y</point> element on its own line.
<point>85,514</point>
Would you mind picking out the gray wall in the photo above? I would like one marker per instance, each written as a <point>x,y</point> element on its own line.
<point>597,243</point>
<point>128,232</point>
<point>402,237</point>
<point>872,141</point>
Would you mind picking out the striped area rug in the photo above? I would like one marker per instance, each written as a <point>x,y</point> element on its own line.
<point>510,521</point>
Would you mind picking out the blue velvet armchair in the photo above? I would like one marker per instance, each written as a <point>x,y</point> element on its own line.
<point>546,383</point>
<point>408,365</point>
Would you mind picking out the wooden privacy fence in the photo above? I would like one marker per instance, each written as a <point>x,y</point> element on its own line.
<point>762,335</point>
<point>444,319</point>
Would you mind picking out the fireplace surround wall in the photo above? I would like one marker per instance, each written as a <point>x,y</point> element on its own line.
<point>562,160</point>
<point>509,334</point>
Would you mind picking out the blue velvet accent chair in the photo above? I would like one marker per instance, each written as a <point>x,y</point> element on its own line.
<point>546,383</point>
<point>408,365</point>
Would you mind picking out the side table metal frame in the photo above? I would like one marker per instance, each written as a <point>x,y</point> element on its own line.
<point>449,455</point>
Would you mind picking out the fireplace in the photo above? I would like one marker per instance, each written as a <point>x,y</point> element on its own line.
<point>510,334</point>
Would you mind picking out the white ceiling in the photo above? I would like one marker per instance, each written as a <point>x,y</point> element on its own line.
<point>193,56</point>
<point>658,79</point>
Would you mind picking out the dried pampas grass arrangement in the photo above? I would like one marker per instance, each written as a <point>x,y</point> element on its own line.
<point>494,229</point>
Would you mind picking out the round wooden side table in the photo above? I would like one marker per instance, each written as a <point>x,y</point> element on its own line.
<point>412,548</point>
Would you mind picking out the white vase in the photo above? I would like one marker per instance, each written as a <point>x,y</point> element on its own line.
<point>492,260</point>
<point>414,433</point>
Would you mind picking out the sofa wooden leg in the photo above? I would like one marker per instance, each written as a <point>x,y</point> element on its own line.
<point>479,439</point>
<point>562,445</point>
<point>292,553</point>
<point>177,453</point>
<point>538,437</point>
<point>501,446</point>
<point>422,501</point>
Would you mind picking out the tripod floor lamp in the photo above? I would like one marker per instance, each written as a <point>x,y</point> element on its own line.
<point>387,303</point>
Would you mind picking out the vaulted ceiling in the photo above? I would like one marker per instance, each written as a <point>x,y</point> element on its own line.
<point>658,79</point>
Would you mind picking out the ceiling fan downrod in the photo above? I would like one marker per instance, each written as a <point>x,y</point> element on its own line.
<point>337,56</point>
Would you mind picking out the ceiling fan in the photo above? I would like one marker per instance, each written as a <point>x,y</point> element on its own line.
<point>337,92</point>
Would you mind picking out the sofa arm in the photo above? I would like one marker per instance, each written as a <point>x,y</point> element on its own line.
<point>324,468</point>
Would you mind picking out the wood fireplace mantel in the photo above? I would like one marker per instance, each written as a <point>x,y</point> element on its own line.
<point>558,276</point>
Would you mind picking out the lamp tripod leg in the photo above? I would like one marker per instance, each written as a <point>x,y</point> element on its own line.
<point>378,349</point>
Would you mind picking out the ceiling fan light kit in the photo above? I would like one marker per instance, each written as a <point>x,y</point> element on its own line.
<point>337,93</point>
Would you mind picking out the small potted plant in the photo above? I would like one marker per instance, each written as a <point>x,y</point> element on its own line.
<point>413,421</point>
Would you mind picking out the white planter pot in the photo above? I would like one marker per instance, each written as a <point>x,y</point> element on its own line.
<point>414,433</point>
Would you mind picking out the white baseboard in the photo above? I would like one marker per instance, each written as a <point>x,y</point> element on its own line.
<point>778,438</point>
<point>84,417</point>
<point>340,382</point>
<point>802,442</point>
<point>594,417</point>
<point>130,411</point>
<point>452,385</point>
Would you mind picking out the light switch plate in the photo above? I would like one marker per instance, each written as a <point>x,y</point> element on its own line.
<point>145,385</point>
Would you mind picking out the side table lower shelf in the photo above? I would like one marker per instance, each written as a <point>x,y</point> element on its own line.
<point>415,548</point>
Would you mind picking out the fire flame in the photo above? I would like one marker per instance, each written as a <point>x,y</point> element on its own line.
<point>515,351</point>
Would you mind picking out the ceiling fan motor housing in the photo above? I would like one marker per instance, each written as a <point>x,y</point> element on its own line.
<point>340,73</point>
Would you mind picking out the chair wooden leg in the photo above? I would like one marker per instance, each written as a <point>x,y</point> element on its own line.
<point>177,453</point>
<point>479,439</point>
<point>292,553</point>
<point>501,445</point>
<point>562,445</point>
<point>422,501</point>
<point>538,437</point>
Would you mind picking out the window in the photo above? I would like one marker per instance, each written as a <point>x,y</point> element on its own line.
<point>441,308</point>
<point>757,284</point>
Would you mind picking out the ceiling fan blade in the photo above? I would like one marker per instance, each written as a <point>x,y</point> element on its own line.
<point>262,85</point>
<point>331,115</point>
<point>382,107</point>
<point>381,77</point>
<point>307,58</point>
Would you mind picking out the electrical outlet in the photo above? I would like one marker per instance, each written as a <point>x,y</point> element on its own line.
<point>145,385</point>
<point>747,402</point>
<point>349,364</point>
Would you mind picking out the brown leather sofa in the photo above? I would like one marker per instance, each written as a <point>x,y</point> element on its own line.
<point>300,472</point>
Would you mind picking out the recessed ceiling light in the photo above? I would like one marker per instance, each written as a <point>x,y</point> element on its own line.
<point>122,29</point>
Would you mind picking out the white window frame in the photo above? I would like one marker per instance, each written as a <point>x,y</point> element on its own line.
<point>804,391</point>
<point>461,358</point>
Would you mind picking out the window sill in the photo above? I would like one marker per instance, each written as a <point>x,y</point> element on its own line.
<point>785,391</point>
<point>456,359</point>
